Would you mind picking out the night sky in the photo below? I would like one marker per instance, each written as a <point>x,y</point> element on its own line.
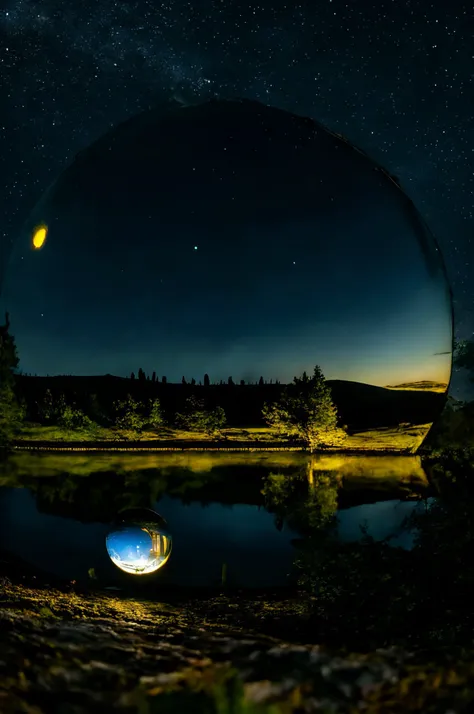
<point>395,78</point>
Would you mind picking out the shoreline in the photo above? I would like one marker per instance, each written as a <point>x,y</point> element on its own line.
<point>171,447</point>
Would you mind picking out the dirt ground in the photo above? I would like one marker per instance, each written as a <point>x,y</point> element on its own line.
<point>67,651</point>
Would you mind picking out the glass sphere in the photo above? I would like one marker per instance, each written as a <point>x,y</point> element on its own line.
<point>234,239</point>
<point>139,542</point>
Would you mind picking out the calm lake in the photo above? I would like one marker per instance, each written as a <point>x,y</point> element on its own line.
<point>238,514</point>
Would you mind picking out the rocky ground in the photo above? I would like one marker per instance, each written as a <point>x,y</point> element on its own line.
<point>64,650</point>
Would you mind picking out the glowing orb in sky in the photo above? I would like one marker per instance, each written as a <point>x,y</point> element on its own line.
<point>39,237</point>
<point>139,543</point>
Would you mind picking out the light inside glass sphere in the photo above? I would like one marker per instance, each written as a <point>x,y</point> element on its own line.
<point>139,543</point>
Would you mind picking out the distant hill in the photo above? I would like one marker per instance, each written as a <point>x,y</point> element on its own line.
<point>420,386</point>
<point>360,406</point>
<point>367,406</point>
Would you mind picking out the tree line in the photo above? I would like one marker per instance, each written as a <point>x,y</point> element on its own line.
<point>141,376</point>
<point>302,410</point>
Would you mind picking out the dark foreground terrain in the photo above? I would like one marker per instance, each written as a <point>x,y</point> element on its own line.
<point>63,650</point>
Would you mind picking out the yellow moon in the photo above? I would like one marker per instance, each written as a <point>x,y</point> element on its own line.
<point>39,237</point>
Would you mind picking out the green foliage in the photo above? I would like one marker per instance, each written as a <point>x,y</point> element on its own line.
<point>128,414</point>
<point>73,418</point>
<point>154,418</point>
<point>11,415</point>
<point>197,418</point>
<point>305,410</point>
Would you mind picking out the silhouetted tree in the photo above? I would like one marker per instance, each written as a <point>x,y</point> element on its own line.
<point>132,376</point>
<point>153,377</point>
<point>242,382</point>
<point>183,381</point>
<point>206,380</point>
<point>305,409</point>
<point>260,382</point>
<point>230,381</point>
<point>193,381</point>
<point>141,375</point>
<point>164,380</point>
<point>463,357</point>
<point>11,413</point>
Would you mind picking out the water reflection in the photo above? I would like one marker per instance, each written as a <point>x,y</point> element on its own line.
<point>139,542</point>
<point>248,517</point>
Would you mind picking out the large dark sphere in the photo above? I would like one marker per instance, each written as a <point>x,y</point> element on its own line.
<point>230,238</point>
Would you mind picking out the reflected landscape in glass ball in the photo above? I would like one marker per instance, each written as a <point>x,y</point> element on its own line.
<point>234,239</point>
<point>139,542</point>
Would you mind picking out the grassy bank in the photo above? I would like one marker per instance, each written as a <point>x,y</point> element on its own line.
<point>400,439</point>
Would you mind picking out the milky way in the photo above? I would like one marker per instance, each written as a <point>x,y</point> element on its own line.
<point>395,78</point>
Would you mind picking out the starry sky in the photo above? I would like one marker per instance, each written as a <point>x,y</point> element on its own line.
<point>396,79</point>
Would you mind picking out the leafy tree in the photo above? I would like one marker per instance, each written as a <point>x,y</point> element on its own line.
<point>154,417</point>
<point>128,414</point>
<point>197,418</point>
<point>305,410</point>
<point>206,380</point>
<point>72,418</point>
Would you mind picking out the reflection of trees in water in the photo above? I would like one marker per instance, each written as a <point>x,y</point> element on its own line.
<point>100,496</point>
<point>305,500</point>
